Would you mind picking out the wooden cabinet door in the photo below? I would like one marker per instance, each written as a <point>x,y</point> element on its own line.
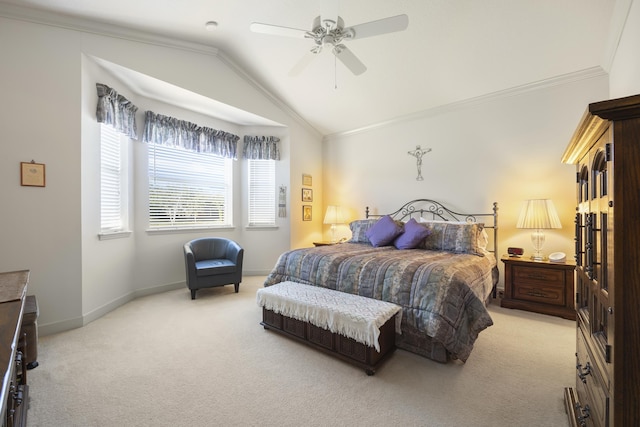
<point>599,268</point>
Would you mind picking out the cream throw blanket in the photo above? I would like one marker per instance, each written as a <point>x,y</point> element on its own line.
<point>350,315</point>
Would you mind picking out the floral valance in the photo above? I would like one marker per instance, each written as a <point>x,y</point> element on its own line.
<point>165,130</point>
<point>116,110</point>
<point>261,148</point>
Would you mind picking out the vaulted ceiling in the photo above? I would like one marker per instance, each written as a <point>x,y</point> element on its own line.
<point>452,50</point>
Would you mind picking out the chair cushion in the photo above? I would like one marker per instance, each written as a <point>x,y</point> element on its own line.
<point>210,267</point>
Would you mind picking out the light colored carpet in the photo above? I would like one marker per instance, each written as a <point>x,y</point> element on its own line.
<point>165,360</point>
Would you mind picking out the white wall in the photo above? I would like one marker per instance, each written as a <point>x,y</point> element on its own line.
<point>48,114</point>
<point>40,120</point>
<point>107,266</point>
<point>625,70</point>
<point>504,149</point>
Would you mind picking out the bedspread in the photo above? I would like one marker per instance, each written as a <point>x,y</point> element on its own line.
<point>442,294</point>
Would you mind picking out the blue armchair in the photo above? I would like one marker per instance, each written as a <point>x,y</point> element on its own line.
<point>212,261</point>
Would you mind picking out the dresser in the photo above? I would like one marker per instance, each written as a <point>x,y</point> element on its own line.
<point>605,149</point>
<point>15,391</point>
<point>323,243</point>
<point>540,286</point>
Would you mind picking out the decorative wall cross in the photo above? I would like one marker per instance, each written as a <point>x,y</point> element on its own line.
<point>282,202</point>
<point>418,153</point>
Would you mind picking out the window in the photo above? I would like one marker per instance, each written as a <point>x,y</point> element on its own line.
<point>262,192</point>
<point>112,181</point>
<point>188,189</point>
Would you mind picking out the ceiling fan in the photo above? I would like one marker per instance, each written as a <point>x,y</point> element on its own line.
<point>333,34</point>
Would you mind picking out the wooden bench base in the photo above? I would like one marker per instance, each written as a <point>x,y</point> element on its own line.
<point>337,345</point>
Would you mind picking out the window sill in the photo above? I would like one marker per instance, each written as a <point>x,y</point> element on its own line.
<point>261,227</point>
<point>114,235</point>
<point>188,230</point>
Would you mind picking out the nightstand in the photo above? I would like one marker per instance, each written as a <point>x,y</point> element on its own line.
<point>323,243</point>
<point>539,286</point>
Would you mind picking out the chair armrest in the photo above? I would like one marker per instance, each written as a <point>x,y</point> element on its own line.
<point>235,253</point>
<point>189,261</point>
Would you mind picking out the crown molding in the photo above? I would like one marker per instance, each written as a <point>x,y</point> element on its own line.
<point>589,73</point>
<point>619,17</point>
<point>113,31</point>
<point>67,22</point>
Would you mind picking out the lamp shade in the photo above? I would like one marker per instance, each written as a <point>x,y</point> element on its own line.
<point>539,214</point>
<point>334,215</point>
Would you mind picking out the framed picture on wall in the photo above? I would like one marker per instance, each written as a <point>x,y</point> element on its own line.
<point>306,213</point>
<point>32,174</point>
<point>306,180</point>
<point>307,195</point>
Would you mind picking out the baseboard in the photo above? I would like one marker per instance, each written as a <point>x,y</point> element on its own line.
<point>67,325</point>
<point>158,289</point>
<point>256,272</point>
<point>57,327</point>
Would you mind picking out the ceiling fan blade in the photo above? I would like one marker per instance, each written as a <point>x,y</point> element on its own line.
<point>381,26</point>
<point>349,59</point>
<point>277,30</point>
<point>302,64</point>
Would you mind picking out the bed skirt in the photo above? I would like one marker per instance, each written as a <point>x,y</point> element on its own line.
<point>416,342</point>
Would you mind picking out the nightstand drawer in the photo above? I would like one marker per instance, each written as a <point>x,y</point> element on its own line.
<point>540,286</point>
<point>547,294</point>
<point>537,275</point>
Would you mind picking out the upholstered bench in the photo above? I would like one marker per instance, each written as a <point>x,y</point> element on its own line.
<point>356,329</point>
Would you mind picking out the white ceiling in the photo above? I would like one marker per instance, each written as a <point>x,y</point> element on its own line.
<point>452,51</point>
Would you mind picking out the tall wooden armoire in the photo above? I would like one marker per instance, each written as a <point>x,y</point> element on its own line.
<point>606,150</point>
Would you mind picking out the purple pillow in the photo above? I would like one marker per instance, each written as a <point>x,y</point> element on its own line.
<point>414,234</point>
<point>384,231</point>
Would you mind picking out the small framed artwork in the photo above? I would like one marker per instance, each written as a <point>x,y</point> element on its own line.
<point>307,195</point>
<point>307,180</point>
<point>306,213</point>
<point>32,174</point>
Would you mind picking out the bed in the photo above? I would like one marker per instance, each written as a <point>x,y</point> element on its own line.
<point>443,277</point>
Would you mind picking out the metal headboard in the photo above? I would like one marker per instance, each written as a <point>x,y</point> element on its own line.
<point>431,209</point>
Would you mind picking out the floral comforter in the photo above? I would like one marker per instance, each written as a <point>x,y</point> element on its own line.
<point>442,294</point>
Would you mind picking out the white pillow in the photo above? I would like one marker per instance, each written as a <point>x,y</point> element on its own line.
<point>483,239</point>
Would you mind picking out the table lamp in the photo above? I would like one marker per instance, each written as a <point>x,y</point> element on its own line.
<point>539,215</point>
<point>333,216</point>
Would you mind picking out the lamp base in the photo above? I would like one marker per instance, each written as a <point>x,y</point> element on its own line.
<point>333,234</point>
<point>537,239</point>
